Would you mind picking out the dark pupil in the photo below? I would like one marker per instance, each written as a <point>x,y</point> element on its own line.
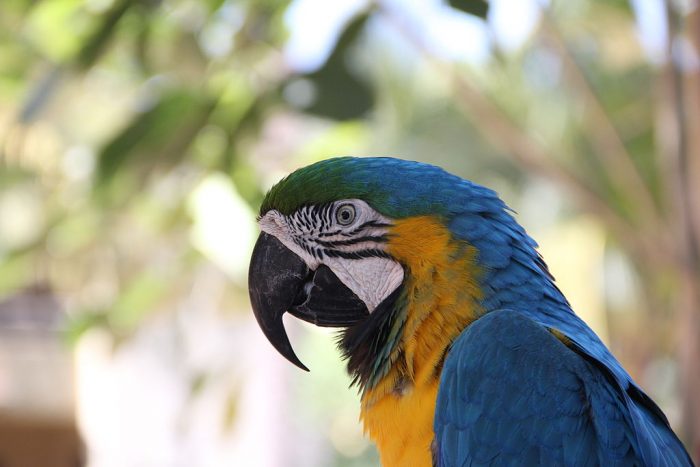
<point>345,214</point>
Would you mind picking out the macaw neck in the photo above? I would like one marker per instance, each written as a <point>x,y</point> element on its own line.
<point>438,298</point>
<point>454,274</point>
<point>448,283</point>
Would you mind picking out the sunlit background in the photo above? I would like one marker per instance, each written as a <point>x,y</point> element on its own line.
<point>137,138</point>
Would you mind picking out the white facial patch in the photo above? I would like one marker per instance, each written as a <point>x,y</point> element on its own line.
<point>371,279</point>
<point>347,236</point>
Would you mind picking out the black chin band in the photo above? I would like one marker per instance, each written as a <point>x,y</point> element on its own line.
<point>368,345</point>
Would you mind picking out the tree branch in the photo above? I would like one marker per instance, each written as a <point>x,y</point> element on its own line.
<point>613,154</point>
<point>504,134</point>
<point>681,166</point>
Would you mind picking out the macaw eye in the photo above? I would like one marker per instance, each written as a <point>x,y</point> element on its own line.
<point>345,214</point>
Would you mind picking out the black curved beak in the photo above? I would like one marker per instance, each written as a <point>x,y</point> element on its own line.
<point>279,281</point>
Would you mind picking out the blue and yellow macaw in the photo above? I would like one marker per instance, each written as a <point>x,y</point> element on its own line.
<point>465,351</point>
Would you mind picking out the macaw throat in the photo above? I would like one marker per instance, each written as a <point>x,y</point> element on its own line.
<point>368,346</point>
<point>279,281</point>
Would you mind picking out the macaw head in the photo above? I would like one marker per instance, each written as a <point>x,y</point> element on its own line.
<point>351,242</point>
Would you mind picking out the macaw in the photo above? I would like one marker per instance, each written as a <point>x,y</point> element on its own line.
<point>464,350</point>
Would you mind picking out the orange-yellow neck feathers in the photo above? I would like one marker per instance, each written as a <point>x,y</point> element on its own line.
<point>441,293</point>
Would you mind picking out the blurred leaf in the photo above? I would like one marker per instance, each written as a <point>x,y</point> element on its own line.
<point>137,301</point>
<point>339,93</point>
<point>16,6</point>
<point>231,410</point>
<point>623,5</point>
<point>240,112</point>
<point>198,383</point>
<point>143,40</point>
<point>82,322</point>
<point>96,43</point>
<point>14,62</point>
<point>72,233</point>
<point>263,23</point>
<point>40,94</point>
<point>342,138</point>
<point>55,28</point>
<point>15,271</point>
<point>215,4</point>
<point>642,146</point>
<point>12,174</point>
<point>247,184</point>
<point>209,146</point>
<point>478,8</point>
<point>162,133</point>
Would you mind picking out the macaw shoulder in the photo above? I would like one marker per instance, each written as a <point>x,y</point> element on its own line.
<point>514,392</point>
<point>511,390</point>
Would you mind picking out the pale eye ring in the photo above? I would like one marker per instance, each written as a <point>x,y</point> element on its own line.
<point>345,214</point>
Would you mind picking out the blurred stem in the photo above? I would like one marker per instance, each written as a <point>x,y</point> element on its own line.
<point>498,127</point>
<point>143,40</point>
<point>685,89</point>
<point>98,40</point>
<point>684,82</point>
<point>692,169</point>
<point>503,133</point>
<point>41,94</point>
<point>612,153</point>
<point>679,150</point>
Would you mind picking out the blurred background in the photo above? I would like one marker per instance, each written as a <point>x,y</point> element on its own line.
<point>137,138</point>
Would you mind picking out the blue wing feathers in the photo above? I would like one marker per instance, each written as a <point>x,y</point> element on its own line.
<point>512,394</point>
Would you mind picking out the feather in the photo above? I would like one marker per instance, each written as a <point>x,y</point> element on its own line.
<point>538,402</point>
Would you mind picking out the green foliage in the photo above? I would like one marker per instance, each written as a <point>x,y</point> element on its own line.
<point>199,85</point>
<point>139,298</point>
<point>102,34</point>
<point>340,91</point>
<point>159,135</point>
<point>479,8</point>
<point>77,326</point>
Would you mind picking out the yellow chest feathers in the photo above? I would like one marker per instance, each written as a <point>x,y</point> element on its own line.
<point>442,293</point>
<point>402,425</point>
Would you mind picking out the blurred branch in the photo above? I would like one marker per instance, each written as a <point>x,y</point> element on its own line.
<point>98,40</point>
<point>692,169</point>
<point>40,94</point>
<point>681,171</point>
<point>612,152</point>
<point>46,87</point>
<point>683,92</point>
<point>503,133</point>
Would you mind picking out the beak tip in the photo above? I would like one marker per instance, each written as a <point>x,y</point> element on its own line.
<point>289,354</point>
<point>273,329</point>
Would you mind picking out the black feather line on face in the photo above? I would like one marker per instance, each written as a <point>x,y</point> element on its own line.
<point>362,343</point>
<point>330,234</point>
<point>366,225</point>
